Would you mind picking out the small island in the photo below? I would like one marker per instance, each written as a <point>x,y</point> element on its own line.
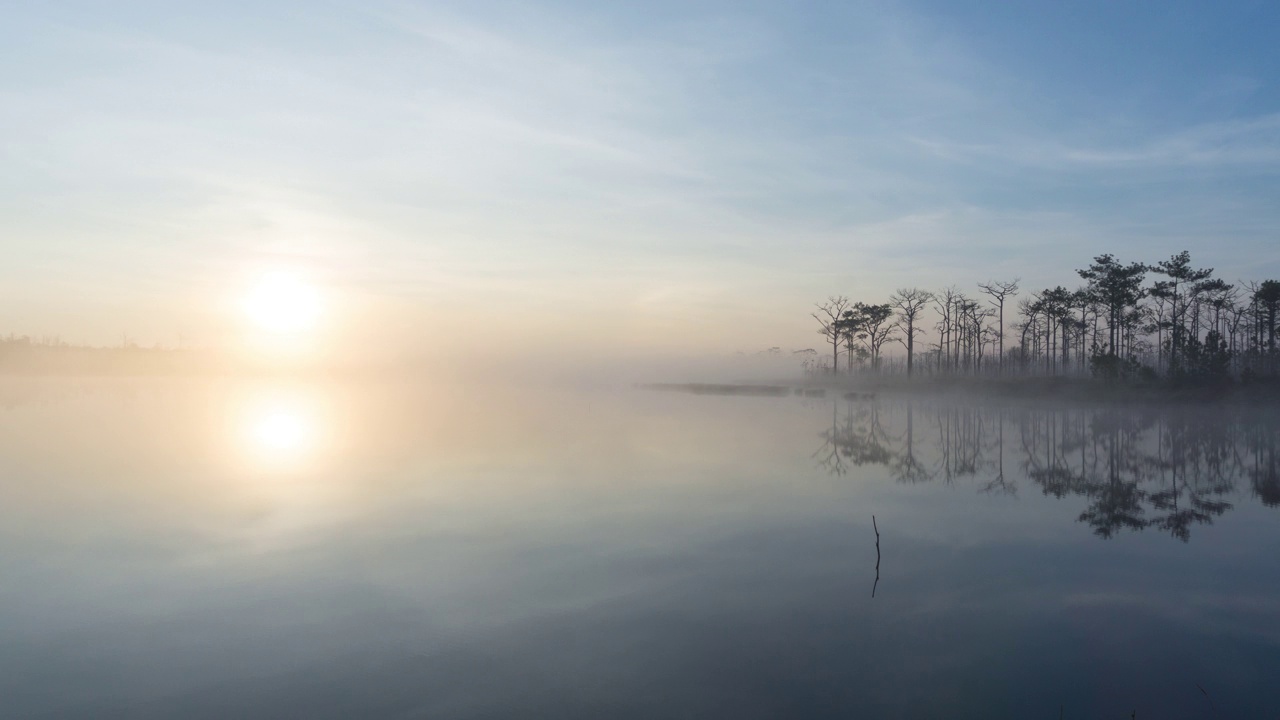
<point>1128,330</point>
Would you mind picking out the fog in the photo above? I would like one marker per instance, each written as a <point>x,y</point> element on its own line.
<point>552,359</point>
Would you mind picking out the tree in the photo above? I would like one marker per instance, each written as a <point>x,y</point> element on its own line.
<point>1058,304</point>
<point>947,303</point>
<point>999,291</point>
<point>870,324</point>
<point>1117,287</point>
<point>853,354</point>
<point>830,316</point>
<point>1267,299</point>
<point>972,332</point>
<point>909,302</point>
<point>1182,281</point>
<point>1186,323</point>
<point>1028,309</point>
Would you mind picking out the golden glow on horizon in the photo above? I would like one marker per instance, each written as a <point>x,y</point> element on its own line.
<point>281,303</point>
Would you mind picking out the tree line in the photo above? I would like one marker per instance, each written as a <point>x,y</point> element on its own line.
<point>1123,320</point>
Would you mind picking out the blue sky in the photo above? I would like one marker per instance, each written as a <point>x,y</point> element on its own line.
<point>650,176</point>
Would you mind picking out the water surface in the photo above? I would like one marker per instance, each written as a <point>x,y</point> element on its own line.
<point>225,548</point>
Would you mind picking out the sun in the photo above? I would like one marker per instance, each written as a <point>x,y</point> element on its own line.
<point>280,302</point>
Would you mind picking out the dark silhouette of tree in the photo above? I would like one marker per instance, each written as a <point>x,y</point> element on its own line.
<point>1181,283</point>
<point>1057,306</point>
<point>947,304</point>
<point>870,324</point>
<point>1186,325</point>
<point>909,302</point>
<point>830,317</point>
<point>854,354</point>
<point>1267,299</point>
<point>999,291</point>
<point>1029,309</point>
<point>1117,287</point>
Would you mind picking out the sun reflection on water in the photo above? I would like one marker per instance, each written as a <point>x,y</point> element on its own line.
<point>279,429</point>
<point>282,431</point>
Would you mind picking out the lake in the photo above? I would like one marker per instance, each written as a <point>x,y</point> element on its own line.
<point>291,549</point>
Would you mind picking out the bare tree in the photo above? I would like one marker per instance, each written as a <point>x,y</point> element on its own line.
<point>830,317</point>
<point>853,352</point>
<point>1029,311</point>
<point>999,290</point>
<point>909,302</point>
<point>946,302</point>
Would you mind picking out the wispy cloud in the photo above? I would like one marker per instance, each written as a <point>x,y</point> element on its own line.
<point>1228,145</point>
<point>708,156</point>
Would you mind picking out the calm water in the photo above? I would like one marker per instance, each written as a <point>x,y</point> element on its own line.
<point>235,549</point>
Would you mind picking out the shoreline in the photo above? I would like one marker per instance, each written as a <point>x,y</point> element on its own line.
<point>1258,392</point>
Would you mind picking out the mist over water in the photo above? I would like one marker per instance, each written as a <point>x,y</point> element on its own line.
<point>320,548</point>
<point>606,361</point>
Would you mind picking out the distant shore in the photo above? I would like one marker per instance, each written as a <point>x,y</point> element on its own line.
<point>1029,388</point>
<point>38,360</point>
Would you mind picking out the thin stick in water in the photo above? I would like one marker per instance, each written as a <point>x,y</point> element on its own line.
<point>877,582</point>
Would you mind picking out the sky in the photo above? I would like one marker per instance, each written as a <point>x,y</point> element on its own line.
<point>612,179</point>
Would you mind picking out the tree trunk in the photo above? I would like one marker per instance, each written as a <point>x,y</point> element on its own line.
<point>910,345</point>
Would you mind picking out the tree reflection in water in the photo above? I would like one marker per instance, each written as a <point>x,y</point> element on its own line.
<point>1163,468</point>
